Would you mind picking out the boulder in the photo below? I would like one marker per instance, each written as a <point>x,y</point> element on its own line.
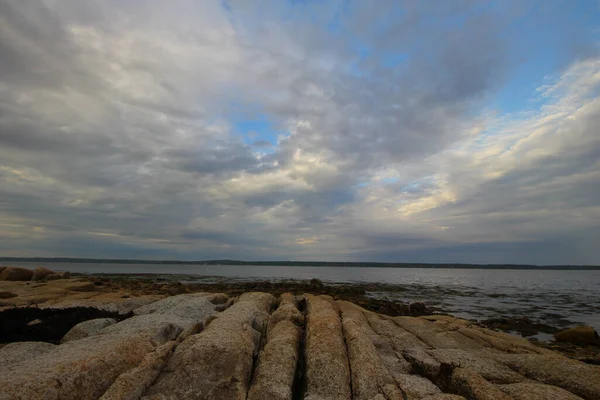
<point>87,328</point>
<point>579,335</point>
<point>16,274</point>
<point>40,273</point>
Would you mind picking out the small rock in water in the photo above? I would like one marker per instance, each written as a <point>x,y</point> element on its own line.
<point>316,283</point>
<point>418,308</point>
<point>578,335</point>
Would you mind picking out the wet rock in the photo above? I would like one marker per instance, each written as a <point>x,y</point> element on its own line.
<point>87,328</point>
<point>523,325</point>
<point>277,363</point>
<point>580,335</point>
<point>536,391</point>
<point>220,358</point>
<point>16,274</point>
<point>41,273</point>
<point>417,309</point>
<point>327,370</point>
<point>316,283</point>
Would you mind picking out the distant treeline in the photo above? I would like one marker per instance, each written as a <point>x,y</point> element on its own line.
<point>297,263</point>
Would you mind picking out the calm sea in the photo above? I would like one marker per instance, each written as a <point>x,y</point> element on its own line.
<point>557,297</point>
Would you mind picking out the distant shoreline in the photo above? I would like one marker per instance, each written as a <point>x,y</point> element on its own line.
<point>299,263</point>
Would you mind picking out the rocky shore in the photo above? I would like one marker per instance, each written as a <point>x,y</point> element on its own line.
<point>96,338</point>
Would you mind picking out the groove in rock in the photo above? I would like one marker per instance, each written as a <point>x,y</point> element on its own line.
<point>347,356</point>
<point>299,385</point>
<point>256,355</point>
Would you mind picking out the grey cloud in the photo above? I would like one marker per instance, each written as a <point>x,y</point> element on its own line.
<point>125,130</point>
<point>224,157</point>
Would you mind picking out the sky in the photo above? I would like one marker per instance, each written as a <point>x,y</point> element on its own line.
<point>450,131</point>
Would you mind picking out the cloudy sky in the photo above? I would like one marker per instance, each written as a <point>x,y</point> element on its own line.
<point>416,131</point>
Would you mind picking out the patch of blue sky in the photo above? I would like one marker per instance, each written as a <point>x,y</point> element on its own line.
<point>541,49</point>
<point>257,129</point>
<point>390,180</point>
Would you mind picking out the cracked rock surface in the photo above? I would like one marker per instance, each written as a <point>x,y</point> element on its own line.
<point>257,346</point>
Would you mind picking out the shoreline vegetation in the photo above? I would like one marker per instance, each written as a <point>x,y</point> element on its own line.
<point>299,263</point>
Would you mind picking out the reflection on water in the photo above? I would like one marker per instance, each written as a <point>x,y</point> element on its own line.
<point>556,297</point>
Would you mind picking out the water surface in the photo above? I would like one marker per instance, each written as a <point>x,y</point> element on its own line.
<point>556,297</point>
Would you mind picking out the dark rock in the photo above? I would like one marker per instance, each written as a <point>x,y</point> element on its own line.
<point>16,274</point>
<point>40,273</point>
<point>316,283</point>
<point>578,335</point>
<point>418,308</point>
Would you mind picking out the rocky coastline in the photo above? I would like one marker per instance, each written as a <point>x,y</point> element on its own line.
<point>132,337</point>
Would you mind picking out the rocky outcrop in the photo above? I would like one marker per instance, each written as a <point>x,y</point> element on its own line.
<point>86,368</point>
<point>16,274</point>
<point>370,377</point>
<point>87,328</point>
<point>14,353</point>
<point>278,360</point>
<point>132,384</point>
<point>25,274</point>
<point>69,293</point>
<point>536,391</point>
<point>208,346</point>
<point>220,359</point>
<point>327,369</point>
